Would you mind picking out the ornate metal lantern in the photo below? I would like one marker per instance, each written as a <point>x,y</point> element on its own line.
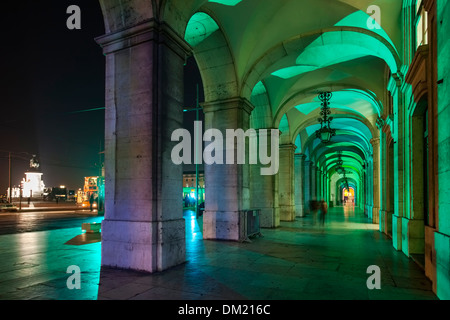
<point>325,133</point>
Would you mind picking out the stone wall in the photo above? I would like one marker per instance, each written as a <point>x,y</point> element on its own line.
<point>442,236</point>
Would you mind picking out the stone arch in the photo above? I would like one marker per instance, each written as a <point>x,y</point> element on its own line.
<point>266,65</point>
<point>216,63</point>
<point>313,122</point>
<point>310,94</point>
<point>285,128</point>
<point>261,116</point>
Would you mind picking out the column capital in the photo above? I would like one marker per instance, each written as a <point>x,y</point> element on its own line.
<point>302,156</point>
<point>228,104</point>
<point>288,146</point>
<point>258,131</point>
<point>380,122</point>
<point>395,82</point>
<point>375,142</point>
<point>150,30</point>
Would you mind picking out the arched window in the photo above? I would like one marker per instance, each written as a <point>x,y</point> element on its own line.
<point>421,23</point>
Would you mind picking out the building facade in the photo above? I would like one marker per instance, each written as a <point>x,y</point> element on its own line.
<point>190,180</point>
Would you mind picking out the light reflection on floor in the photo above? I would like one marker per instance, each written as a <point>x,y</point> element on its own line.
<point>33,265</point>
<point>298,260</point>
<point>194,236</point>
<point>193,225</point>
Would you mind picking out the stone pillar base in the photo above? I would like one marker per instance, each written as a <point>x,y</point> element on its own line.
<point>287,213</point>
<point>221,225</point>
<point>143,246</point>
<point>386,222</point>
<point>397,232</point>
<point>382,216</point>
<point>413,236</point>
<point>299,211</point>
<point>270,218</point>
<point>442,246</point>
<point>369,211</point>
<point>430,255</point>
<point>375,215</point>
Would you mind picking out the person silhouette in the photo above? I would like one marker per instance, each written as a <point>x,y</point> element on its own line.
<point>323,212</point>
<point>91,201</point>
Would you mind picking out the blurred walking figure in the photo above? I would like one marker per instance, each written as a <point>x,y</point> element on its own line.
<point>323,211</point>
<point>91,201</point>
<point>313,207</point>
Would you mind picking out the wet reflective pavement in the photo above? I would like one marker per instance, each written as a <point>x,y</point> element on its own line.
<point>31,221</point>
<point>298,261</point>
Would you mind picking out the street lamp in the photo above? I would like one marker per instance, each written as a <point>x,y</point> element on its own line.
<point>197,117</point>
<point>12,154</point>
<point>325,133</point>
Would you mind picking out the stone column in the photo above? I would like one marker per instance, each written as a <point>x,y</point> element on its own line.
<point>362,192</point>
<point>318,183</point>
<point>143,227</point>
<point>227,193</point>
<point>383,188</point>
<point>442,234</point>
<point>264,190</point>
<point>299,165</point>
<point>313,185</point>
<point>286,182</point>
<point>376,180</point>
<point>395,87</point>
<point>307,185</point>
<point>370,187</point>
<point>413,228</point>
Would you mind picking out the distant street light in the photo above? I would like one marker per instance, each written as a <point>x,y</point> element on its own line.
<point>10,155</point>
<point>197,117</point>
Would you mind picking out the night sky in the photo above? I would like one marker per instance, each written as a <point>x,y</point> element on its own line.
<point>51,76</point>
<point>47,73</point>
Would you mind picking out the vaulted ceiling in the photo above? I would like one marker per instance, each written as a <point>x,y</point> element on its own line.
<point>281,54</point>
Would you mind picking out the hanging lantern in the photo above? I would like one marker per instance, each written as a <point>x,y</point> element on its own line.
<point>325,133</point>
<point>339,163</point>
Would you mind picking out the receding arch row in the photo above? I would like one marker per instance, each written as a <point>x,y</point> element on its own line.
<point>230,83</point>
<point>243,86</point>
<point>136,82</point>
<point>346,94</point>
<point>351,156</point>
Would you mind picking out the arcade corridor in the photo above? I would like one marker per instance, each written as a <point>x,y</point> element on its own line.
<point>298,261</point>
<point>341,101</point>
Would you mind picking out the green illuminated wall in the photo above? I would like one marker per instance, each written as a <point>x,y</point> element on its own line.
<point>442,237</point>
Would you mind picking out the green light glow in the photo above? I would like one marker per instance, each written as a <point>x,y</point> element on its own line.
<point>307,108</point>
<point>298,143</point>
<point>230,3</point>
<point>294,71</point>
<point>259,89</point>
<point>336,47</point>
<point>284,125</point>
<point>332,54</point>
<point>200,27</point>
<point>359,19</point>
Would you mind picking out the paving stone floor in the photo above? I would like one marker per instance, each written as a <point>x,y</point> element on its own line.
<point>298,261</point>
